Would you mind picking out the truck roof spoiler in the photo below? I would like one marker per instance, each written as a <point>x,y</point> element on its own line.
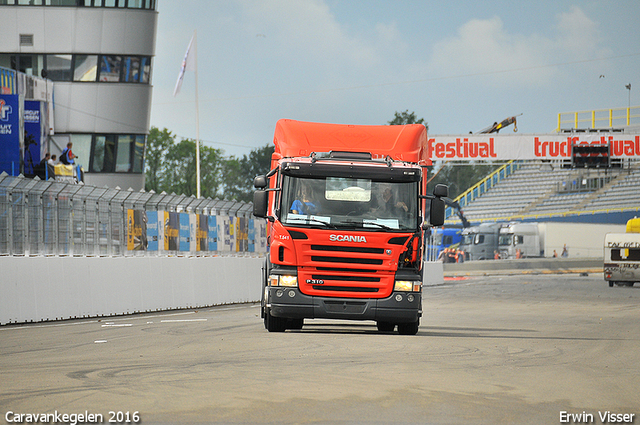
<point>349,156</point>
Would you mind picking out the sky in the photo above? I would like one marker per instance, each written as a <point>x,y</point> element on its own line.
<point>460,65</point>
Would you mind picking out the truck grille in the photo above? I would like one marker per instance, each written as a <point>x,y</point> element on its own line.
<point>360,249</point>
<point>335,270</point>
<point>346,260</point>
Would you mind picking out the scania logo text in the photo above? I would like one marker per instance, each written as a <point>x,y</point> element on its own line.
<point>347,238</point>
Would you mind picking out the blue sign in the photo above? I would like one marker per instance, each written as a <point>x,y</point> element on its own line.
<point>152,230</point>
<point>252,236</point>
<point>212,235</point>
<point>32,135</point>
<point>9,134</point>
<point>185,234</point>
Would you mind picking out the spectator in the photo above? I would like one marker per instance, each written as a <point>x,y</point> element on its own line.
<point>565,251</point>
<point>45,160</point>
<point>67,157</point>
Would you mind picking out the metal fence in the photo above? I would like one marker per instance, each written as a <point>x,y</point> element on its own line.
<point>54,218</point>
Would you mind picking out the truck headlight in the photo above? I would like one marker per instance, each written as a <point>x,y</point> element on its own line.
<point>407,285</point>
<point>283,280</point>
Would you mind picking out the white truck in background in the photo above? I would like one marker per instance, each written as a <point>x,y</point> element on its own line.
<point>480,242</point>
<point>522,238</point>
<point>548,239</point>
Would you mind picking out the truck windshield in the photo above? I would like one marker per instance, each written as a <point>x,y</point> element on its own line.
<point>350,203</point>
<point>467,239</point>
<point>506,239</point>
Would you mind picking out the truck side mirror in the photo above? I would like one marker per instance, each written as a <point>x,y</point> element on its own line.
<point>436,212</point>
<point>260,182</point>
<point>441,190</point>
<point>260,203</point>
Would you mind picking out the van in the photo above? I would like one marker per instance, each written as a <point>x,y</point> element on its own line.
<point>622,258</point>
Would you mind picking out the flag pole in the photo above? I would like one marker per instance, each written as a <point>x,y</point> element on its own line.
<point>195,39</point>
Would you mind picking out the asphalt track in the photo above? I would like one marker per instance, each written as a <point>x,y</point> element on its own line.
<point>520,349</point>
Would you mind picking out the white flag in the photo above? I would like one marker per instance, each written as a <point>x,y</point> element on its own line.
<point>188,64</point>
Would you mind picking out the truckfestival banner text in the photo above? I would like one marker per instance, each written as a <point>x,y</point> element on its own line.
<point>527,146</point>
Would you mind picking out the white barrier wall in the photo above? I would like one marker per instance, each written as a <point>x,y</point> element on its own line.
<point>34,289</point>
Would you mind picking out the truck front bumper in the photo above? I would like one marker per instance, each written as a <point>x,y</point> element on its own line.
<point>400,307</point>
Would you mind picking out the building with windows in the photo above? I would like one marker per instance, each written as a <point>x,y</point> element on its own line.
<point>99,55</point>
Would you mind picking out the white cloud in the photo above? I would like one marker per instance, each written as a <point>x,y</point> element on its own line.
<point>308,35</point>
<point>486,47</point>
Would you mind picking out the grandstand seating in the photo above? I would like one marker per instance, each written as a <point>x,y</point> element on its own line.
<point>539,188</point>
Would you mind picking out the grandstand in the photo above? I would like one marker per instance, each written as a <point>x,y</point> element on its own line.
<point>543,190</point>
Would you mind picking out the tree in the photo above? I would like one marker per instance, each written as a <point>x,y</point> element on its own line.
<point>402,118</point>
<point>171,167</point>
<point>460,176</point>
<point>238,173</point>
<point>158,144</point>
<point>180,162</point>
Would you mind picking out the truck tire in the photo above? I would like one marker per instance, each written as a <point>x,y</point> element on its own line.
<point>274,324</point>
<point>610,283</point>
<point>295,324</point>
<point>385,326</point>
<point>409,328</point>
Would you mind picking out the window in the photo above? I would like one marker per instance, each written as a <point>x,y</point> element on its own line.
<point>81,148</point>
<point>58,67</point>
<point>123,159</point>
<point>138,154</point>
<point>131,69</point>
<point>110,68</point>
<point>145,67</point>
<point>67,67</point>
<point>103,159</point>
<point>28,64</point>
<point>85,68</point>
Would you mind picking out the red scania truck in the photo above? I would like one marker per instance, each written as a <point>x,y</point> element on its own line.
<point>346,206</point>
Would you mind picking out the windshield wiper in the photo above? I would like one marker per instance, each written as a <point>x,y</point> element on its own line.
<point>365,224</point>
<point>308,220</point>
<point>380,225</point>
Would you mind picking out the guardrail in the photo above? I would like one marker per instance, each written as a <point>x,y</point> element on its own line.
<point>600,118</point>
<point>54,218</point>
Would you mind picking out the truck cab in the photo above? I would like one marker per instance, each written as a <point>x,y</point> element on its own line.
<point>345,226</point>
<point>480,242</point>
<point>522,237</point>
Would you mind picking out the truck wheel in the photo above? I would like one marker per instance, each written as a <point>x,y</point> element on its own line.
<point>385,326</point>
<point>274,324</point>
<point>610,283</point>
<point>295,324</point>
<point>409,328</point>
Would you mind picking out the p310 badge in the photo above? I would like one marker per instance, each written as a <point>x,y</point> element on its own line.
<point>315,282</point>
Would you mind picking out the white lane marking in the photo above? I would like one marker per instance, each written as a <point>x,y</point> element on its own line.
<point>183,320</point>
